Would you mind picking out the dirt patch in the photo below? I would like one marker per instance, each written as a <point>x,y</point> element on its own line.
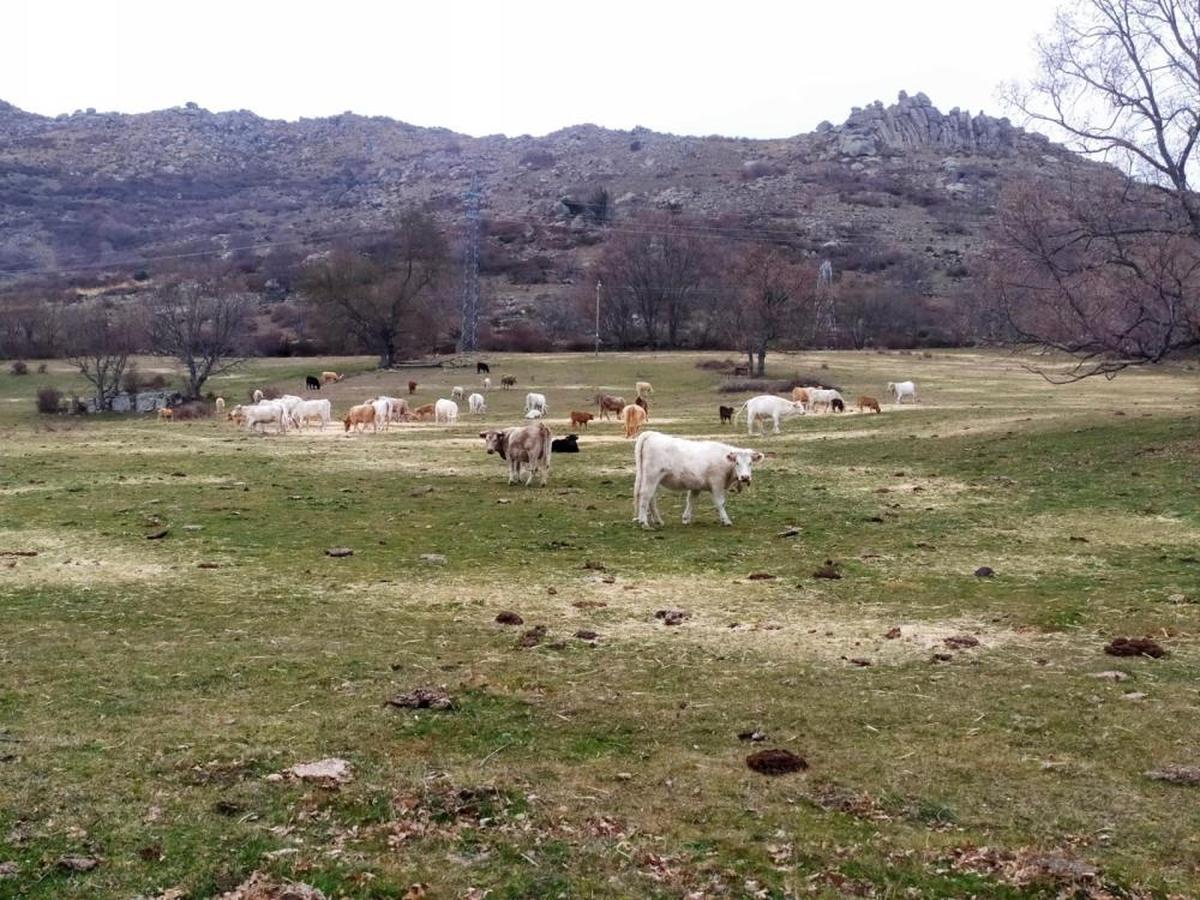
<point>422,698</point>
<point>66,557</point>
<point>1123,646</point>
<point>776,762</point>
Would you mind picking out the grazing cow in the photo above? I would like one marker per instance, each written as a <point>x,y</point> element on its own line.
<point>641,401</point>
<point>522,445</point>
<point>634,418</point>
<point>257,395</point>
<point>726,414</point>
<point>487,384</point>
<point>220,405</point>
<point>768,406</point>
<point>644,387</point>
<point>397,408</point>
<point>165,414</point>
<point>823,397</point>
<point>383,412</point>
<point>268,412</point>
<point>534,414</point>
<point>445,411</point>
<point>838,404</point>
<point>508,381</point>
<point>327,377</point>
<point>321,410</point>
<point>568,444</point>
<point>423,413</point>
<point>312,383</point>
<point>456,392</point>
<point>481,367</point>
<point>580,419</point>
<point>536,401</point>
<point>661,460</point>
<point>475,402</point>
<point>800,395</point>
<point>865,402</point>
<point>412,388</point>
<point>609,403</point>
<point>902,389</point>
<point>359,417</point>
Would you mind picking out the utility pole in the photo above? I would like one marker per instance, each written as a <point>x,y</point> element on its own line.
<point>469,305</point>
<point>598,286</point>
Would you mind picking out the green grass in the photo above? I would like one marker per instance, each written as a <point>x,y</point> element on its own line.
<point>144,699</point>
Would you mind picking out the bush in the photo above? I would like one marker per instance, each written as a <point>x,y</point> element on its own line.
<point>716,365</point>
<point>49,400</point>
<point>191,410</point>
<point>19,367</point>
<point>772,386</point>
<point>131,382</point>
<point>41,368</point>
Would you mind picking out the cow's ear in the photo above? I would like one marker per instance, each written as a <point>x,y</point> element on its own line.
<point>483,434</point>
<point>732,457</point>
<point>757,457</point>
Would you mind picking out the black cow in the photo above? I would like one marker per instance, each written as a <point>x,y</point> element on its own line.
<point>312,383</point>
<point>726,413</point>
<point>838,405</point>
<point>481,367</point>
<point>566,444</point>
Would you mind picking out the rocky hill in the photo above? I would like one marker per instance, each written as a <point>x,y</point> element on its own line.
<point>101,193</point>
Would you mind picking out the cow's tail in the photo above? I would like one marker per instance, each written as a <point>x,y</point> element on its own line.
<point>740,409</point>
<point>547,439</point>
<point>638,456</point>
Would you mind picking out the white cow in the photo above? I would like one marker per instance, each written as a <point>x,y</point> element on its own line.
<point>478,407</point>
<point>768,406</point>
<point>445,411</point>
<point>257,395</point>
<point>818,396</point>
<point>534,413</point>
<point>536,401</point>
<point>312,409</point>
<point>902,389</point>
<point>383,412</point>
<point>398,409</point>
<point>487,384</point>
<point>456,392</point>
<point>269,412</point>
<point>661,460</point>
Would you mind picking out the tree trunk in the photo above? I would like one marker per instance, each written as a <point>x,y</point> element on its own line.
<point>762,359</point>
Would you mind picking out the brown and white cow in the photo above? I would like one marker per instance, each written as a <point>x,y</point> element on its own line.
<point>522,445</point>
<point>609,404</point>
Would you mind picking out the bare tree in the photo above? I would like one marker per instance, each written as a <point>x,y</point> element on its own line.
<point>380,292</point>
<point>200,325</point>
<point>100,338</point>
<point>1103,263</point>
<point>770,298</point>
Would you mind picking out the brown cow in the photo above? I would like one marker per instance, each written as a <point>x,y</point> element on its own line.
<point>508,381</point>
<point>865,402</point>
<point>423,413</point>
<point>527,445</point>
<point>580,418</point>
<point>359,417</point>
<point>608,403</point>
<point>165,415</point>
<point>800,395</point>
<point>726,413</point>
<point>412,388</point>
<point>634,418</point>
<point>641,401</point>
<point>327,377</point>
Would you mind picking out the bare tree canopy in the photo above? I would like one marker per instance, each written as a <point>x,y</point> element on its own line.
<point>201,326</point>
<point>1103,264</point>
<point>100,339</point>
<point>382,293</point>
<point>770,299</point>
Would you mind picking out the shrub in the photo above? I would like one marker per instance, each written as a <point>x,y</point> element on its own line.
<point>19,367</point>
<point>155,382</point>
<point>716,365</point>
<point>191,410</point>
<point>41,368</point>
<point>131,382</point>
<point>772,386</point>
<point>49,400</point>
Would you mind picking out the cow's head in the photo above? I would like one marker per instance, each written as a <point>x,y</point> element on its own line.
<point>798,408</point>
<point>742,460</point>
<point>495,442</point>
<point>891,387</point>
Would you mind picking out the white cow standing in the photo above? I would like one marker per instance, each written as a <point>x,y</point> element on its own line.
<point>536,401</point>
<point>445,411</point>
<point>661,460</point>
<point>477,405</point>
<point>312,409</point>
<point>768,406</point>
<point>902,389</point>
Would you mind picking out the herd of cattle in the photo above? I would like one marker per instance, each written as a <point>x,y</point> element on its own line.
<point>661,460</point>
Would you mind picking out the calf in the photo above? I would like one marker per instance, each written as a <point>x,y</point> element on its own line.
<point>580,419</point>
<point>568,444</point>
<point>481,367</point>
<point>641,401</point>
<point>165,415</point>
<point>475,402</point>
<point>312,383</point>
<point>487,384</point>
<point>456,392</point>
<point>644,387</point>
<point>800,395</point>
<point>445,411</point>
<point>523,445</point>
<point>865,402</point>
<point>661,460</point>
<point>327,377</point>
<point>634,418</point>
<point>220,405</point>
<point>508,381</point>
<point>768,406</point>
<point>412,388</point>
<point>609,404</point>
<point>726,414</point>
<point>359,417</point>
<point>423,413</point>
<point>838,404</point>
<point>902,389</point>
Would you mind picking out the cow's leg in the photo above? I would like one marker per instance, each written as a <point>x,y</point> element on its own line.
<point>637,492</point>
<point>775,420</point>
<point>718,493</point>
<point>514,471</point>
<point>749,423</point>
<point>687,508</point>
<point>658,519</point>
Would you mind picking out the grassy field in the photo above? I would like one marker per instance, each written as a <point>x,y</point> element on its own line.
<point>150,688</point>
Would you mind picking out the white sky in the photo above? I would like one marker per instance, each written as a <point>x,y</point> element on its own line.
<point>756,69</point>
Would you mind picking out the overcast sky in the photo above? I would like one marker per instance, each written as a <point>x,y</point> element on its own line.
<point>756,69</point>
